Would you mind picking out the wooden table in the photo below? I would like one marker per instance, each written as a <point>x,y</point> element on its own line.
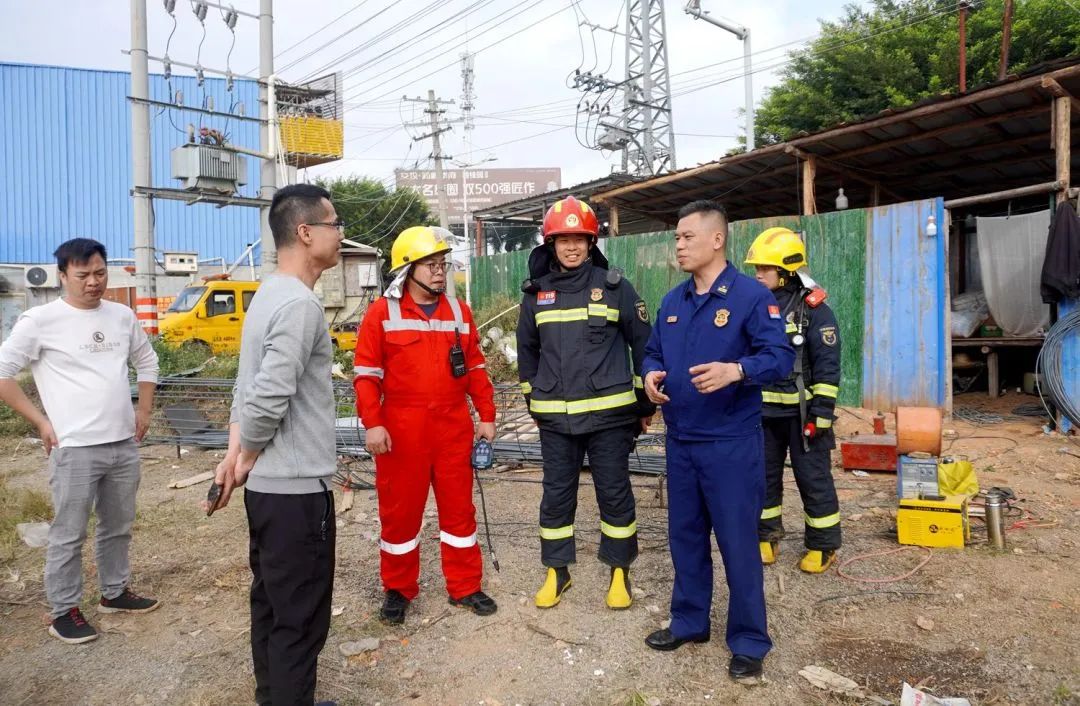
<point>989,346</point>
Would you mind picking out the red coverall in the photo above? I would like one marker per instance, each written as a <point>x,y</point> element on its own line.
<point>404,383</point>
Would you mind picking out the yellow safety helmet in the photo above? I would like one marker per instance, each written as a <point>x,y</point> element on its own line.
<point>418,242</point>
<point>778,247</point>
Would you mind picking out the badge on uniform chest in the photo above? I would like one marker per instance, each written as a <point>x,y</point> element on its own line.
<point>722,316</point>
<point>596,294</point>
<point>545,298</point>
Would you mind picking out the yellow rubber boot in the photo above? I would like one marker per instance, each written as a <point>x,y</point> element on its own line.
<point>556,583</point>
<point>816,561</point>
<point>769,550</point>
<point>619,596</point>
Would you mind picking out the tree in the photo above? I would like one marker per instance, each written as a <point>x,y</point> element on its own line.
<point>373,214</point>
<point>901,51</point>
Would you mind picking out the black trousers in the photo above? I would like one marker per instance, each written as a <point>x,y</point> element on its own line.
<point>813,475</point>
<point>609,460</point>
<point>291,551</point>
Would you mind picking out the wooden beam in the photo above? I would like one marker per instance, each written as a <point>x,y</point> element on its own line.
<point>842,170</point>
<point>1032,190</point>
<point>809,173</point>
<point>1058,91</point>
<point>613,219</point>
<point>1062,144</point>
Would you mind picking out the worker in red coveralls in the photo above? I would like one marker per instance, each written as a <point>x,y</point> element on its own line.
<point>417,357</point>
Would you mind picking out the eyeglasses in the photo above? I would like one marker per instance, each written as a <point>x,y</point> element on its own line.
<point>437,266</point>
<point>339,224</point>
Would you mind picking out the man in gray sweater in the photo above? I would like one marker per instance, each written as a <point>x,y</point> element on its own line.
<point>282,445</point>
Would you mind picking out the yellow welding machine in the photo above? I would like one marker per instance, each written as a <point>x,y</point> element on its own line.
<point>933,522</point>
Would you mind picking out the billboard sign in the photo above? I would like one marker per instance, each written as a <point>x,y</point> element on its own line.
<point>479,188</point>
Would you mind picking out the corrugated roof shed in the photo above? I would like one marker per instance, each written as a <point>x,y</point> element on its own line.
<point>65,163</point>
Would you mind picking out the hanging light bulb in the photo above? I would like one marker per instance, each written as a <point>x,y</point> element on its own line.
<point>841,200</point>
<point>970,222</point>
<point>931,226</point>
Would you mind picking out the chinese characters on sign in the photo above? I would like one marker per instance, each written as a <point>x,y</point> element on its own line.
<point>479,188</point>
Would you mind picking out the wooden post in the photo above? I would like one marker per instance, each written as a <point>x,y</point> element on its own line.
<point>809,171</point>
<point>613,220</point>
<point>963,7</point>
<point>480,239</point>
<point>1062,137</point>
<point>875,195</point>
<point>1006,40</point>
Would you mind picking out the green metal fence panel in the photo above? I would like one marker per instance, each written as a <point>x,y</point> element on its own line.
<point>496,275</point>
<point>648,261</point>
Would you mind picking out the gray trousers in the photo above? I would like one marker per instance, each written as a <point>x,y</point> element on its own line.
<point>102,478</point>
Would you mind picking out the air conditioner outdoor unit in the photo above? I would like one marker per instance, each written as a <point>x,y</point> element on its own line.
<point>209,168</point>
<point>43,276</point>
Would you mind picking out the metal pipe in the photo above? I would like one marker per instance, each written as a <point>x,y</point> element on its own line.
<point>693,8</point>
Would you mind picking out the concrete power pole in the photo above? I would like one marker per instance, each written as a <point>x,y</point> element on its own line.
<point>267,140</point>
<point>145,282</point>
<point>437,128</point>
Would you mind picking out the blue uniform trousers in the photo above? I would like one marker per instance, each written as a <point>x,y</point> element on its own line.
<point>718,486</point>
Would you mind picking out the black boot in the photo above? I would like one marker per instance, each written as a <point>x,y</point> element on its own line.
<point>393,609</point>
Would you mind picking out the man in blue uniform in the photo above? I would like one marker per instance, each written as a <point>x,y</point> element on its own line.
<point>718,338</point>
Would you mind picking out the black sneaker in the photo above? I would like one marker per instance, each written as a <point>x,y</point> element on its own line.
<point>72,628</point>
<point>479,603</point>
<point>393,610</point>
<point>127,602</point>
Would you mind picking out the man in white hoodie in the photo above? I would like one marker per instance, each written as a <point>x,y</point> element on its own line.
<point>78,349</point>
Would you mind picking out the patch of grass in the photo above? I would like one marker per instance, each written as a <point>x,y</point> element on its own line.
<point>19,505</point>
<point>11,424</point>
<point>502,309</point>
<point>177,359</point>
<point>1064,696</point>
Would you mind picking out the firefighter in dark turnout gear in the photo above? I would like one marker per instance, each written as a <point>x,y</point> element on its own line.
<point>798,411</point>
<point>581,340</point>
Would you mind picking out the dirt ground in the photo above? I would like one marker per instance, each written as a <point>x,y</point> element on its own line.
<point>997,628</point>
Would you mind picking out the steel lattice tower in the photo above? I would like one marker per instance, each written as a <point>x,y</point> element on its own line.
<point>647,91</point>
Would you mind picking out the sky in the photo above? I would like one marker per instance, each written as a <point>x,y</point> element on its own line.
<point>526,50</point>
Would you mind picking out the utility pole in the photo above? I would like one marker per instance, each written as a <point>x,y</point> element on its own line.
<point>267,132</point>
<point>145,282</point>
<point>435,125</point>
<point>693,8</point>
<point>963,8</point>
<point>1006,40</point>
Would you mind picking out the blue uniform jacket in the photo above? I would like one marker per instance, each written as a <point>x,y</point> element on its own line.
<point>738,321</point>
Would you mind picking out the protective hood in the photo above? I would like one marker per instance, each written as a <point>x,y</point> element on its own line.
<point>542,260</point>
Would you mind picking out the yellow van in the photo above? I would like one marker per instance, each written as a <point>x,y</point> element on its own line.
<point>211,316</point>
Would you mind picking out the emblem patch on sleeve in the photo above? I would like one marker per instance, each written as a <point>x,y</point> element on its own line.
<point>642,310</point>
<point>774,312</point>
<point>828,335</point>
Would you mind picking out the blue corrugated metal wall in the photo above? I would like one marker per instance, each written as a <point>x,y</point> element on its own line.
<point>65,163</point>
<point>904,340</point>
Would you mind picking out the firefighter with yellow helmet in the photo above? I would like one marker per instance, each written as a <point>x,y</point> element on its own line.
<point>417,359</point>
<point>798,411</point>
